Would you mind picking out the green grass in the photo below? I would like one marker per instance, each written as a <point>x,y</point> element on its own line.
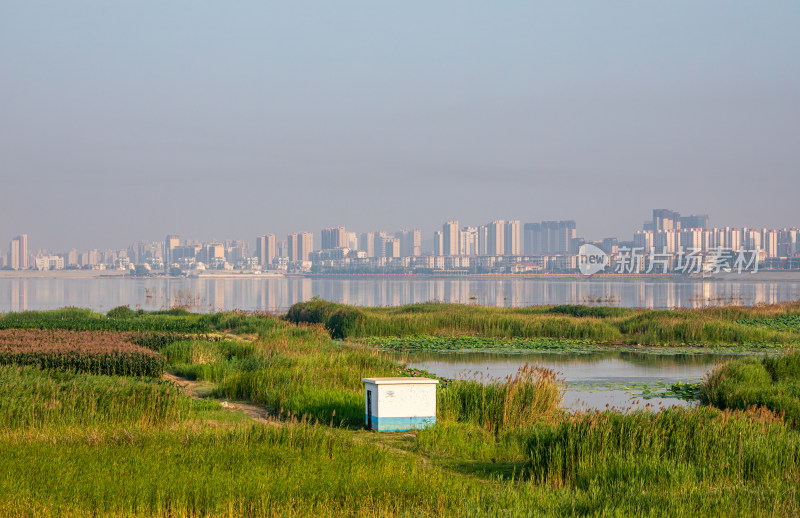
<point>76,444</point>
<point>732,326</point>
<point>297,470</point>
<point>689,448</point>
<point>772,382</point>
<point>31,398</point>
<point>170,321</point>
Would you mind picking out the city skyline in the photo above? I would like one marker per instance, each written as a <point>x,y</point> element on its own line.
<point>501,243</point>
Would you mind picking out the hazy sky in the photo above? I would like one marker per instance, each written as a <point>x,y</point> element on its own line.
<point>124,121</point>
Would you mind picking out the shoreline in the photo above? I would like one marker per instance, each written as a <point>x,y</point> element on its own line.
<point>761,276</point>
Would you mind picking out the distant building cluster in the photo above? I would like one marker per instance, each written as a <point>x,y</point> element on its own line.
<point>500,246</point>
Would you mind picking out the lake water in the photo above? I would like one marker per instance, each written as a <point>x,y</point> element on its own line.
<point>277,294</point>
<point>594,379</point>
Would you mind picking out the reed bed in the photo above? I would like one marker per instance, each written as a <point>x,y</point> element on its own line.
<point>532,394</point>
<point>175,321</point>
<point>759,326</point>
<point>295,470</point>
<point>98,352</point>
<point>32,398</point>
<point>771,382</point>
<point>690,447</point>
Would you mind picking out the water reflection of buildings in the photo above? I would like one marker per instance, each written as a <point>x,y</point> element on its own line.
<point>19,295</point>
<point>276,295</point>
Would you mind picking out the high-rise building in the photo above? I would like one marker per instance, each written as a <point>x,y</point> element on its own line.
<point>450,234</point>
<point>643,240</point>
<point>352,241</point>
<point>512,238</point>
<point>367,243</point>
<point>410,242</point>
<point>665,241</point>
<point>690,239</point>
<point>72,258</point>
<point>495,238</point>
<point>213,252</point>
<point>266,249</point>
<point>300,245</point>
<point>305,245</point>
<point>18,253</point>
<point>610,245</point>
<point>694,221</point>
<point>468,241</point>
<point>334,237</point>
<point>292,246</point>
<point>438,243</point>
<point>788,242</point>
<point>13,254</point>
<point>391,247</point>
<point>550,237</point>
<point>665,219</point>
<point>751,239</point>
<point>24,263</point>
<point>530,231</point>
<point>170,244</point>
<point>769,242</point>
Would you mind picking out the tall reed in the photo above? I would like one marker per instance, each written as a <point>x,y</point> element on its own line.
<point>516,401</point>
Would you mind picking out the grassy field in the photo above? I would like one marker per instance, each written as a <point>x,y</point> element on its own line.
<point>83,444</point>
<point>758,326</point>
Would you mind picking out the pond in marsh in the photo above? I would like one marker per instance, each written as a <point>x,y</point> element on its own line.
<point>595,379</point>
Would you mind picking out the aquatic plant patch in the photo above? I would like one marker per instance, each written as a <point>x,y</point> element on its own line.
<point>785,323</point>
<point>472,343</point>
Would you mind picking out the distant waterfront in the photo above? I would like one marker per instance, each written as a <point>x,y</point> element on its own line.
<point>276,293</point>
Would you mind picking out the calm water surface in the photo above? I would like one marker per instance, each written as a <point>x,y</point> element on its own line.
<point>594,379</point>
<point>277,294</point>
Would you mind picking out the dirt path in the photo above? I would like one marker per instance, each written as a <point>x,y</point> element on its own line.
<point>201,389</point>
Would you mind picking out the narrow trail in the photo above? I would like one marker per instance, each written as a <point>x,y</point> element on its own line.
<point>195,390</point>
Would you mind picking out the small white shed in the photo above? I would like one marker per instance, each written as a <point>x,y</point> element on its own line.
<point>399,404</point>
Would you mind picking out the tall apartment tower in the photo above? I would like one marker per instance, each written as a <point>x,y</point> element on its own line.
<point>18,253</point>
<point>438,243</point>
<point>266,249</point>
<point>410,242</point>
<point>549,237</point>
<point>496,238</point>
<point>291,246</point>
<point>751,239</point>
<point>391,247</point>
<point>468,241</point>
<point>769,242</point>
<point>170,244</point>
<point>334,237</point>
<point>367,243</point>
<point>305,245</point>
<point>694,221</point>
<point>23,251</point>
<point>13,254</point>
<point>512,238</point>
<point>665,219</point>
<point>450,234</point>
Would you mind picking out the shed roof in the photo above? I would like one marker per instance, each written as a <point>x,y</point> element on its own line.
<point>400,381</point>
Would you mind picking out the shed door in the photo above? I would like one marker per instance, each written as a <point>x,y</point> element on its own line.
<point>369,410</point>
